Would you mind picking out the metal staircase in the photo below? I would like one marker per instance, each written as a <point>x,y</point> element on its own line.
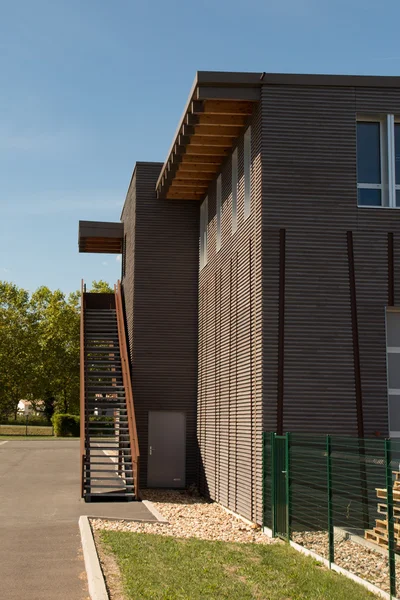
<point>109,447</point>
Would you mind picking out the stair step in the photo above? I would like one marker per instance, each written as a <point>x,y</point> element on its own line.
<point>102,337</point>
<point>101,402</point>
<point>108,380</point>
<point>107,361</point>
<point>116,373</point>
<point>110,495</point>
<point>101,324</point>
<point>126,467</point>
<point>105,464</point>
<point>111,478</point>
<point>97,350</point>
<point>100,428</point>
<point>101,312</point>
<point>101,448</point>
<point>121,429</point>
<point>116,387</point>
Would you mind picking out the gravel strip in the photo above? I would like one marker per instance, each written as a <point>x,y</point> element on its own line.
<point>360,560</point>
<point>189,516</point>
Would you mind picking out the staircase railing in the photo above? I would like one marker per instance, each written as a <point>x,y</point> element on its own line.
<point>126,377</point>
<point>82,390</point>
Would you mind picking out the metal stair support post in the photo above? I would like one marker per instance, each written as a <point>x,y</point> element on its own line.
<point>126,378</point>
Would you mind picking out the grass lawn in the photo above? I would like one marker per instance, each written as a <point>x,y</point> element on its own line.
<point>158,567</point>
<point>33,430</point>
<point>35,437</point>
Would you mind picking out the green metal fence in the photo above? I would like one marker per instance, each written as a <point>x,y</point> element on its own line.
<point>339,497</point>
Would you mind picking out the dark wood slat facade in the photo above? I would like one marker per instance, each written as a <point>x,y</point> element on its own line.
<point>160,291</point>
<point>229,418</point>
<point>100,237</point>
<point>284,328</point>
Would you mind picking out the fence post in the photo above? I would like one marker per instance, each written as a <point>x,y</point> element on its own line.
<point>329,489</point>
<point>389,501</point>
<point>263,478</point>
<point>273,485</point>
<point>287,480</point>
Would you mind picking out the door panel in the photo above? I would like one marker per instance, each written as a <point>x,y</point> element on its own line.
<point>167,449</point>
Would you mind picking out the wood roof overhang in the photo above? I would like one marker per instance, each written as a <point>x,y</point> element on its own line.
<point>101,237</point>
<point>216,114</point>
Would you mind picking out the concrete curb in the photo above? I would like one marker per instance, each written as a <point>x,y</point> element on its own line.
<point>96,583</point>
<point>154,511</point>
<point>372,588</point>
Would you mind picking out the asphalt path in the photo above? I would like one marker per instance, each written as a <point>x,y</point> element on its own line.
<point>40,547</point>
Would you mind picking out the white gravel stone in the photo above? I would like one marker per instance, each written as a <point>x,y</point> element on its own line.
<point>360,560</point>
<point>189,516</point>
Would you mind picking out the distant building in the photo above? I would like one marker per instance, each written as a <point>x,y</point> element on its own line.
<point>25,408</point>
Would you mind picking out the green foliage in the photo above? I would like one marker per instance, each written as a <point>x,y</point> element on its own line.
<point>39,349</point>
<point>101,287</point>
<point>66,425</point>
<point>34,420</point>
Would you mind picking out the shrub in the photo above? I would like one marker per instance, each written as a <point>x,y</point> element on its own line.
<point>21,420</point>
<point>106,423</point>
<point>66,425</point>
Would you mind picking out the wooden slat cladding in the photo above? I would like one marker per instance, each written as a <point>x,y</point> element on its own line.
<point>128,217</point>
<point>356,340</point>
<point>310,190</point>
<point>370,262</point>
<point>161,305</point>
<point>230,394</point>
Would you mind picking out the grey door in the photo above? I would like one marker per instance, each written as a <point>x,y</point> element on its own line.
<point>166,452</point>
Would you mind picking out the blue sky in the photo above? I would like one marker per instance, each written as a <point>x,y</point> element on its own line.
<point>89,87</point>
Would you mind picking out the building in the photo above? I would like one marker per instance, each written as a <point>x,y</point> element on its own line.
<point>261,275</point>
<point>27,409</point>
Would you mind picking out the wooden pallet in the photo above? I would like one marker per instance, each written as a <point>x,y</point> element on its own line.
<point>382,510</point>
<point>379,535</point>
<point>383,525</point>
<point>371,536</point>
<point>381,493</point>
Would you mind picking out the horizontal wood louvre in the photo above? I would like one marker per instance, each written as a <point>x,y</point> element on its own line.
<point>229,397</point>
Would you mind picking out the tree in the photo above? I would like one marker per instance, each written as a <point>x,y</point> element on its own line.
<point>58,337</point>
<point>18,347</point>
<point>39,348</point>
<point>101,287</point>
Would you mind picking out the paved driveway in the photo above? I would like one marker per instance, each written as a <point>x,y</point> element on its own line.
<point>40,550</point>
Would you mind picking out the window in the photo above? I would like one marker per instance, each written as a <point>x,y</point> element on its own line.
<point>378,161</point>
<point>397,163</point>
<point>203,233</point>
<point>393,370</point>
<point>235,184</point>
<point>247,172</point>
<point>219,209</point>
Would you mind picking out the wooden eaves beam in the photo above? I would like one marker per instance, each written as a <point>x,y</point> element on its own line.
<point>221,107</point>
<point>214,120</point>
<point>211,130</point>
<point>197,175</point>
<point>181,195</point>
<point>218,119</point>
